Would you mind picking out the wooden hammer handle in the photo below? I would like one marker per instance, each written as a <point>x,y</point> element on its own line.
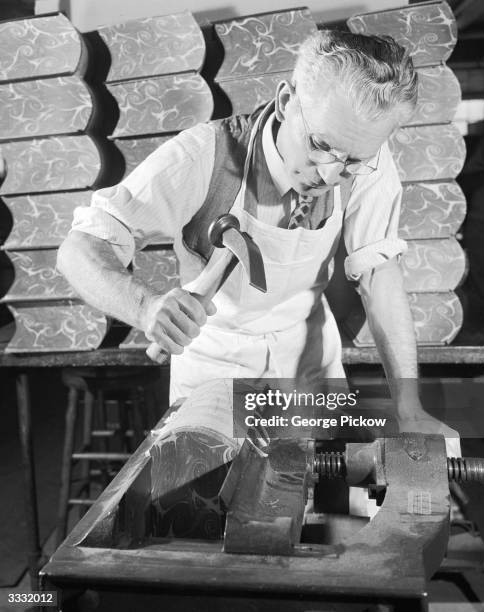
<point>204,287</point>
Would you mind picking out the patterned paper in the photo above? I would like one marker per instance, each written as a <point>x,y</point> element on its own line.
<point>36,277</point>
<point>136,150</point>
<point>430,152</point>
<point>42,219</point>
<point>58,326</point>
<point>163,104</point>
<point>431,210</point>
<point>159,269</point>
<point>427,30</point>
<point>437,319</point>
<point>60,105</point>
<point>262,44</point>
<point>154,46</point>
<point>433,265</point>
<point>439,95</point>
<point>50,164</point>
<point>39,47</point>
<point>248,94</point>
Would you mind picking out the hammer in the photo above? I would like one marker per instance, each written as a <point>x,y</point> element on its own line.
<point>236,246</point>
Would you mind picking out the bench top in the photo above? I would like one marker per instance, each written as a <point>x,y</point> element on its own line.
<point>136,357</point>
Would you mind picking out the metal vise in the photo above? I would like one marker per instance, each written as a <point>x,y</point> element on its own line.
<point>270,482</point>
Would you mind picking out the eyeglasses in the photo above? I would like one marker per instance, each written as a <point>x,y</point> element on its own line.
<point>320,153</point>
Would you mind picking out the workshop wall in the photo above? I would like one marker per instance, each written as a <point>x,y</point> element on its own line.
<point>90,14</point>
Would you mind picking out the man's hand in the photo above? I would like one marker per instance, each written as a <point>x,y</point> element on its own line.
<point>173,320</point>
<point>422,422</point>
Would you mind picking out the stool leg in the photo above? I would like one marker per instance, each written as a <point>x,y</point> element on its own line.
<point>126,441</point>
<point>138,429</point>
<point>104,465</point>
<point>86,445</point>
<point>66,466</point>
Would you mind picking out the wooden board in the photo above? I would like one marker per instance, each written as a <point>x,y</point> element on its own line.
<point>154,46</point>
<point>439,95</point>
<point>247,94</point>
<point>36,277</point>
<point>427,30</point>
<point>40,47</point>
<point>136,150</point>
<point>42,220</point>
<point>428,152</point>
<point>56,326</point>
<point>431,210</point>
<point>189,463</point>
<point>60,105</point>
<point>437,319</point>
<point>433,265</point>
<point>262,44</point>
<point>161,104</point>
<point>50,164</point>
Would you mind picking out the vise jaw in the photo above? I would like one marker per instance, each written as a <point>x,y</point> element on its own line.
<point>270,481</point>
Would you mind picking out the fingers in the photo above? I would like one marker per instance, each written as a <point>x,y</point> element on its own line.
<point>175,319</point>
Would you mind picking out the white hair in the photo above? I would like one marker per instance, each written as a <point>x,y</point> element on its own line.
<point>375,73</point>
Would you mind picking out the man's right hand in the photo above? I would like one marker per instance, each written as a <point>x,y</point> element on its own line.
<point>173,320</point>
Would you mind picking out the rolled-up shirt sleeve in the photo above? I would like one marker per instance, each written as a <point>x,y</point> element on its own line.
<point>372,217</point>
<point>153,203</point>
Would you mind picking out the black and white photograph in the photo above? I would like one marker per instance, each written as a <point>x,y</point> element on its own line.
<point>241,306</point>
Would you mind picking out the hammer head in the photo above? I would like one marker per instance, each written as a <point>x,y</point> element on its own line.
<point>225,232</point>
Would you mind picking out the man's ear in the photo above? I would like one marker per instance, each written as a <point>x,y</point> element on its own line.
<point>283,95</point>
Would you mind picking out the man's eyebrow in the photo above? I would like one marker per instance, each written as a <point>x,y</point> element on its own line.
<point>321,141</point>
<point>321,138</point>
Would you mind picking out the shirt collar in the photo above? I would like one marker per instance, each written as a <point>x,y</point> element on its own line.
<point>275,163</point>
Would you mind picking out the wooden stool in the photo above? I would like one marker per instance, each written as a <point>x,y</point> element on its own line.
<point>119,406</point>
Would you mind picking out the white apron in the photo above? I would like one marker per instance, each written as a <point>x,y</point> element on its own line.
<point>288,332</point>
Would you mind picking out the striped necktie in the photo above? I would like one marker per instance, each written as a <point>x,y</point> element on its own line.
<point>300,215</point>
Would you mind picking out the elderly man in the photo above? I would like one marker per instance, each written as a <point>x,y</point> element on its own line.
<point>310,165</point>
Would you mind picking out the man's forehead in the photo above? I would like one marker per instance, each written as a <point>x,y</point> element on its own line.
<point>334,120</point>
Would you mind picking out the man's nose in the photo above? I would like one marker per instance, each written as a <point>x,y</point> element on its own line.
<point>331,173</point>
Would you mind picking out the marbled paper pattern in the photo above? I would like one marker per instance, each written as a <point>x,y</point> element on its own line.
<point>439,95</point>
<point>427,30</point>
<point>36,277</point>
<point>163,104</point>
<point>136,150</point>
<point>154,46</point>
<point>38,47</point>
<point>247,94</point>
<point>159,269</point>
<point>50,164</point>
<point>437,319</point>
<point>58,326</point>
<point>433,265</point>
<point>428,152</point>
<point>431,210</point>
<point>60,105</point>
<point>194,465</point>
<point>42,220</point>
<point>262,44</point>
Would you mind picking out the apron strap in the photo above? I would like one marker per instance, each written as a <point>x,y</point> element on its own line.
<point>232,137</point>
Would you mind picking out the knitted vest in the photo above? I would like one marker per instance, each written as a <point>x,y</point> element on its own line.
<point>231,142</point>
